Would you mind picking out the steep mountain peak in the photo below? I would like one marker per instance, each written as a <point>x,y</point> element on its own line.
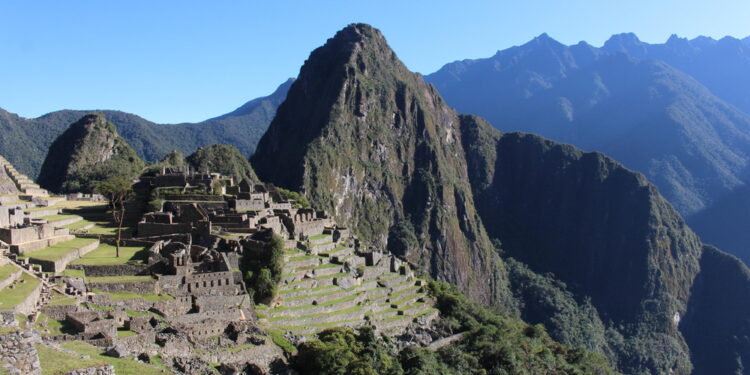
<point>89,150</point>
<point>277,96</point>
<point>370,142</point>
<point>624,42</point>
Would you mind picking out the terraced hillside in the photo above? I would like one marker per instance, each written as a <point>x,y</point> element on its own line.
<point>330,284</point>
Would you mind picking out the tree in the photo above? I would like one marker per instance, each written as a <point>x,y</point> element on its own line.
<point>117,191</point>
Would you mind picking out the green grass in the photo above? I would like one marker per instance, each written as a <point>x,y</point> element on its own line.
<point>116,296</point>
<point>104,255</point>
<point>320,325</point>
<point>122,366</point>
<point>287,291</point>
<point>122,332</point>
<point>69,272</point>
<point>56,218</point>
<point>56,362</point>
<point>7,270</point>
<point>319,236</point>
<point>119,279</point>
<point>10,298</point>
<point>278,338</point>
<point>316,315</point>
<point>56,252</point>
<point>60,300</point>
<point>55,327</point>
<point>77,225</point>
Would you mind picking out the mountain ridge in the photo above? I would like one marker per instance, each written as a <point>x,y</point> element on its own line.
<point>26,140</point>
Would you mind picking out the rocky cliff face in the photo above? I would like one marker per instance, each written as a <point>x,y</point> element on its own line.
<point>89,150</point>
<point>598,255</point>
<point>369,141</point>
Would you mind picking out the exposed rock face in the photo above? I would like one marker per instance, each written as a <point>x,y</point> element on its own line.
<point>372,143</point>
<point>89,151</point>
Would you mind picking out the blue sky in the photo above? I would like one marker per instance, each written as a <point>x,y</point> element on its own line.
<point>178,61</point>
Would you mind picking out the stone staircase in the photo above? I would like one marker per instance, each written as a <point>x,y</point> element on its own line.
<point>24,184</point>
<point>331,285</point>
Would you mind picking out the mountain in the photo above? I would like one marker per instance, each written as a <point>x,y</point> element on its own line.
<point>25,141</point>
<point>725,223</point>
<point>370,142</point>
<point>721,65</point>
<point>90,150</point>
<point>589,248</point>
<point>223,159</point>
<point>653,118</point>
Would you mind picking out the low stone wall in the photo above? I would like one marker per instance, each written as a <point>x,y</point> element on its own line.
<point>114,270</point>
<point>175,307</point>
<point>143,287</point>
<point>40,244</point>
<point>64,222</point>
<point>28,306</point>
<point>42,213</point>
<point>102,370</point>
<point>18,352</point>
<point>59,312</point>
<point>59,265</point>
<point>9,280</point>
<point>261,356</point>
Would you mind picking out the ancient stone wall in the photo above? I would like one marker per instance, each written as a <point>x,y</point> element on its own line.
<point>143,287</point>
<point>18,352</point>
<point>157,229</point>
<point>101,370</point>
<point>60,264</point>
<point>115,270</point>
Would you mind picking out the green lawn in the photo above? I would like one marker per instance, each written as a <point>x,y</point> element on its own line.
<point>56,218</point>
<point>60,299</point>
<point>119,279</point>
<point>80,274</point>
<point>7,270</point>
<point>9,298</point>
<point>104,255</point>
<point>318,236</point>
<point>123,366</point>
<point>56,252</point>
<point>56,362</point>
<point>78,224</point>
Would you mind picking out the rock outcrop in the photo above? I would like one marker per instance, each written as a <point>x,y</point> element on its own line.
<point>89,151</point>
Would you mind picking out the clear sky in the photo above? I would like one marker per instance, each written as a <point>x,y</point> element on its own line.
<point>178,61</point>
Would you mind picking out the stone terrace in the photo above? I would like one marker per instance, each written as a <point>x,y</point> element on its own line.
<point>331,285</point>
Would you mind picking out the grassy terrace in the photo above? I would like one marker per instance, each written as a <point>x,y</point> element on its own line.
<point>7,270</point>
<point>10,298</point>
<point>60,299</point>
<point>104,255</point>
<point>56,252</point>
<point>319,237</point>
<point>119,279</point>
<point>123,366</point>
<point>55,218</point>
<point>57,362</point>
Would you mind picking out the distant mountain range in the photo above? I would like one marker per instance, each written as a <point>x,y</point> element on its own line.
<point>677,112</point>
<point>25,142</point>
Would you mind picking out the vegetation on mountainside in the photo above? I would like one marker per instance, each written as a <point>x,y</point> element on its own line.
<point>174,159</point>
<point>492,344</point>
<point>25,141</point>
<point>223,159</point>
<point>299,199</point>
<point>88,152</point>
<point>262,269</point>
